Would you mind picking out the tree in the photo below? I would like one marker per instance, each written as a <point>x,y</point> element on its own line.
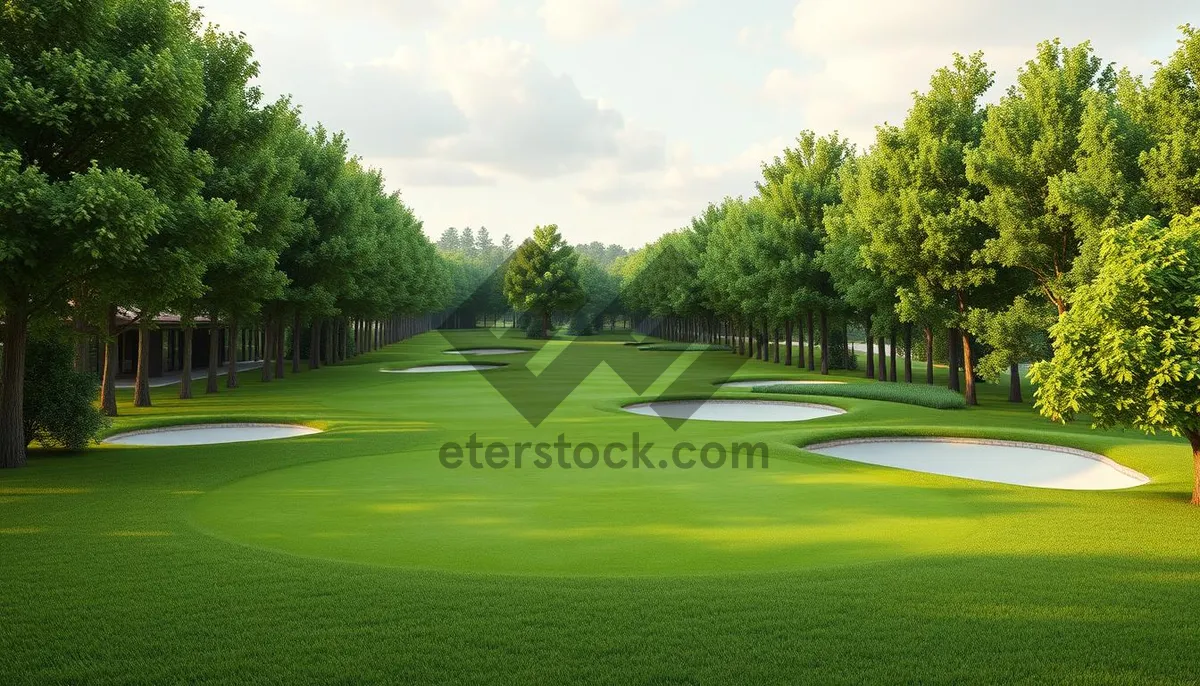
<point>1128,350</point>
<point>466,243</point>
<point>1015,335</point>
<point>484,244</point>
<point>943,125</point>
<point>1171,112</point>
<point>600,289</point>
<point>799,187</point>
<point>543,276</point>
<point>255,153</point>
<point>863,282</point>
<point>449,240</point>
<point>90,129</point>
<point>1058,158</point>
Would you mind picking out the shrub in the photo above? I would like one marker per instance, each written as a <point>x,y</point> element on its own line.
<point>59,401</point>
<point>912,394</point>
<point>685,347</point>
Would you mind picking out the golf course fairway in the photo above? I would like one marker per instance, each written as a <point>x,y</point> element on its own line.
<point>375,552</point>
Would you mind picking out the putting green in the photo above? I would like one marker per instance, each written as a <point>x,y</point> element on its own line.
<point>407,510</point>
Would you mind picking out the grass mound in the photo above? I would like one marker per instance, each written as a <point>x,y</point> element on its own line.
<point>935,397</point>
<point>685,347</point>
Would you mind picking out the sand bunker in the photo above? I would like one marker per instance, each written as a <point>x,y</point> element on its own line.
<point>489,351</point>
<point>783,382</point>
<point>735,410</point>
<point>443,369</point>
<point>1006,462</point>
<point>211,434</point>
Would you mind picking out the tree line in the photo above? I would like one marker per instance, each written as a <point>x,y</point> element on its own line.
<point>141,173</point>
<point>1057,226</point>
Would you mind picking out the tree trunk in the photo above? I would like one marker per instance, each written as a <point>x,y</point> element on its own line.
<point>882,367</point>
<point>545,325</point>
<point>108,381</point>
<point>328,358</point>
<point>1014,384</point>
<point>185,379</point>
<point>141,382</point>
<point>777,345</point>
<point>952,355</point>
<point>968,369</point>
<point>870,352</point>
<point>787,357</point>
<point>12,391</point>
<point>908,375</point>
<point>800,356</point>
<point>929,355</point>
<point>267,371</point>
<point>812,344</point>
<point>214,355</point>
<point>1194,439</point>
<point>231,376</point>
<point>280,330</point>
<point>314,344</point>
<point>892,371</point>
<point>81,340</point>
<point>824,342</point>
<point>296,342</point>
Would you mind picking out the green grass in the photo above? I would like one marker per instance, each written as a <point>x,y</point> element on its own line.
<point>684,347</point>
<point>936,397</point>
<point>352,556</point>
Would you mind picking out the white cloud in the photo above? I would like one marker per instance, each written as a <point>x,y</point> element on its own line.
<point>526,120</point>
<point>404,13</point>
<point>870,55</point>
<point>408,172</point>
<point>580,20</point>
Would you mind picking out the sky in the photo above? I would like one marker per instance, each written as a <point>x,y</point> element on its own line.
<point>619,120</point>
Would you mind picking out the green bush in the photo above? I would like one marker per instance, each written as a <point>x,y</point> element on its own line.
<point>59,401</point>
<point>912,394</point>
<point>685,347</point>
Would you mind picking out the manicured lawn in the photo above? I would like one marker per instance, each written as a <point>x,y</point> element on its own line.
<point>936,397</point>
<point>354,556</point>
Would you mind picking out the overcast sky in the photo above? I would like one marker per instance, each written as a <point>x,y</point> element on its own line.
<point>619,120</point>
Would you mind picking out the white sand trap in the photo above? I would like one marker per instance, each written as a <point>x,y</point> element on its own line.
<point>1005,462</point>
<point>443,369</point>
<point>211,434</point>
<point>735,410</point>
<point>489,351</point>
<point>783,382</point>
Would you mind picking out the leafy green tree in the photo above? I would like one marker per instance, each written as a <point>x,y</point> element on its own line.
<point>449,240</point>
<point>1015,335</point>
<point>92,148</point>
<point>799,187</point>
<point>543,277</point>
<point>868,203</point>
<point>600,289</point>
<point>484,244</point>
<point>256,153</point>
<point>941,200</point>
<point>1058,158</point>
<point>1128,350</point>
<point>466,243</point>
<point>1170,110</point>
